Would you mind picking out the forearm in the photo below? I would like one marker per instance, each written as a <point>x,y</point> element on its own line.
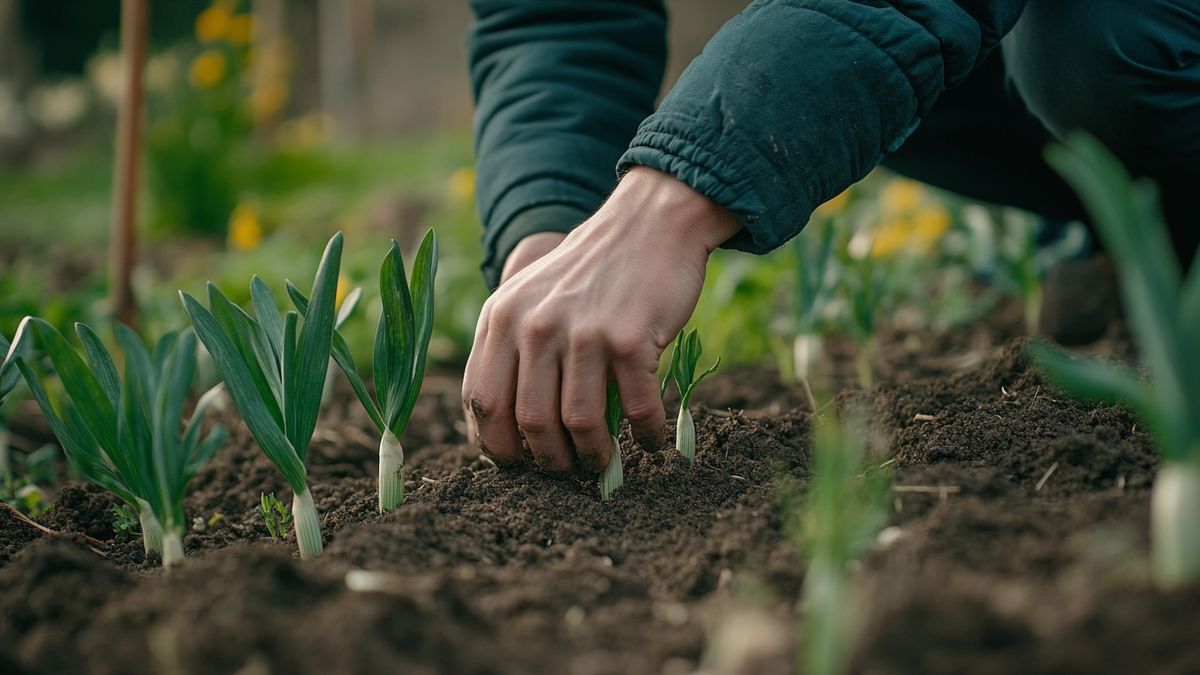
<point>794,100</point>
<point>560,87</point>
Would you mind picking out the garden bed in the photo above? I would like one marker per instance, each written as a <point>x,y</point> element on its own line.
<point>1022,520</point>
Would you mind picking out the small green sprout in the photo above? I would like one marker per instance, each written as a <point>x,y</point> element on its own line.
<point>685,358</point>
<point>123,433</point>
<point>275,372</point>
<point>845,506</point>
<point>401,344</point>
<point>613,476</point>
<point>125,522</point>
<point>1164,316</point>
<point>274,514</point>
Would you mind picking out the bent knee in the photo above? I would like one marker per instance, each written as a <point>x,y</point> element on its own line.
<point>1127,72</point>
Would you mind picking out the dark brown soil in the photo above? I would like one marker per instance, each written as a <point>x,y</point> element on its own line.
<point>1022,546</point>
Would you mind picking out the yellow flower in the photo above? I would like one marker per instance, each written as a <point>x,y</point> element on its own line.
<point>343,289</point>
<point>901,196</point>
<point>461,185</point>
<point>213,23</point>
<point>929,224</point>
<point>208,69</point>
<point>893,237</point>
<point>834,206</point>
<point>242,28</point>
<point>267,100</point>
<point>245,230</point>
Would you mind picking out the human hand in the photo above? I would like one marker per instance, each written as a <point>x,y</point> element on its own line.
<point>528,250</point>
<point>601,305</point>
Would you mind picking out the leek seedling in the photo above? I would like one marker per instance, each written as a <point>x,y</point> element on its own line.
<point>865,286</point>
<point>613,476</point>
<point>1004,246</point>
<point>685,357</point>
<point>401,343</point>
<point>275,372</point>
<point>845,506</point>
<point>124,433</point>
<point>1164,312</point>
<point>816,282</point>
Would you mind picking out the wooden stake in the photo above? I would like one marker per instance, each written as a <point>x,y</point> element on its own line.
<point>123,245</point>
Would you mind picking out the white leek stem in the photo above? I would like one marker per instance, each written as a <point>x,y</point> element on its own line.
<point>308,525</point>
<point>152,532</point>
<point>806,349</point>
<point>172,553</point>
<point>685,435</point>
<point>1174,533</point>
<point>614,475</point>
<point>391,472</point>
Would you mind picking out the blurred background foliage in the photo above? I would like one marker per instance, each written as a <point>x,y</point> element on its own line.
<point>271,124</point>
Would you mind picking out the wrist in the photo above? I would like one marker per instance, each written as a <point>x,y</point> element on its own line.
<point>652,199</point>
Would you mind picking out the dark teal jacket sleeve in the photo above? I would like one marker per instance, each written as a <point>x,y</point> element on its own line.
<point>794,100</point>
<point>560,88</point>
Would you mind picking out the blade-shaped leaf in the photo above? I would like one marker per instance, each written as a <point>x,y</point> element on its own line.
<point>314,346</point>
<point>268,313</point>
<point>424,276</point>
<point>191,435</point>
<point>81,449</point>
<point>266,429</point>
<point>101,362</point>
<point>345,361</point>
<point>290,326</point>
<point>612,409</point>
<point>236,325</point>
<point>81,386</point>
<point>348,305</point>
<point>398,324</point>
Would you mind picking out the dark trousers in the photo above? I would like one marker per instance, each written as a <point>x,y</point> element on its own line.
<point>1128,71</point>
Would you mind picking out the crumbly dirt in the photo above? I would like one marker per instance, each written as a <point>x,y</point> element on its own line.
<point>1022,545</point>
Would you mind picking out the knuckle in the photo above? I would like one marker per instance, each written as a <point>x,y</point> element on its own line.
<point>583,338</point>
<point>582,422</point>
<point>626,346</point>
<point>533,419</point>
<point>642,410</point>
<point>538,329</point>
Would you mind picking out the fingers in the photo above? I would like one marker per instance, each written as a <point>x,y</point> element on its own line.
<point>583,399</point>
<point>537,411</point>
<point>637,379</point>
<point>489,392</point>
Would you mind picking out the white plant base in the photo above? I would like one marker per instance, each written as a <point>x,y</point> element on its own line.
<point>1175,525</point>
<point>391,472</point>
<point>308,525</point>
<point>152,532</point>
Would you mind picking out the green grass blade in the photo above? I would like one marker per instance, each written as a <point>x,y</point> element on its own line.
<point>266,428</point>
<point>424,276</point>
<point>314,346</point>
<point>397,324</point>
<point>687,395</point>
<point>81,386</point>
<point>101,362</point>
<point>267,311</point>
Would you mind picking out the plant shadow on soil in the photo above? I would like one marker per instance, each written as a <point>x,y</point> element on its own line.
<point>1023,520</point>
